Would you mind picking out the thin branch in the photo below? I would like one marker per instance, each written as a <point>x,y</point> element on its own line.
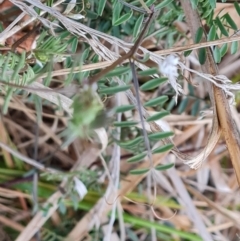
<point>222,111</point>
<point>26,159</point>
<point>126,56</point>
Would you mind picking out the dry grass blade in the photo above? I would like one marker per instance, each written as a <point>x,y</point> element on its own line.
<point>38,220</point>
<point>230,215</point>
<point>189,206</point>
<point>127,185</point>
<point>222,112</point>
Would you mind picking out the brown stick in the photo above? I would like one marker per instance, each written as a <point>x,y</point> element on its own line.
<point>218,97</point>
<point>126,56</point>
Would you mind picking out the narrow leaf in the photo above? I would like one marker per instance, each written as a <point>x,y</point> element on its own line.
<point>162,149</point>
<point>156,101</point>
<point>183,105</point>
<point>230,21</point>
<point>212,33</point>
<point>217,55</point>
<point>223,49</point>
<point>234,47</point>
<point>74,44</point>
<point>202,55</point>
<point>148,72</point>
<point>164,167</point>
<point>124,108</point>
<point>101,6</point>
<point>199,35</point>
<point>123,18</point>
<point>160,135</point>
<point>221,27</point>
<point>117,71</point>
<point>212,3</point>
<point>132,143</point>
<point>137,158</point>
<point>145,58</point>
<point>195,108</point>
<point>125,123</point>
<point>138,25</point>
<point>162,4</point>
<point>194,3</point>
<point>237,7</point>
<point>117,8</point>
<point>139,171</point>
<point>152,84</point>
<point>187,53</point>
<point>158,116</point>
<point>113,90</point>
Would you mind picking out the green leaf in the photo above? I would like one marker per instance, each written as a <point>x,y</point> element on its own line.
<point>202,55</point>
<point>212,33</point>
<point>171,104</point>
<point>223,49</point>
<point>195,108</point>
<point>131,143</point>
<point>123,18</point>
<point>230,21</point>
<point>85,54</point>
<point>114,90</point>
<point>74,45</point>
<point>221,27</point>
<point>164,167</point>
<point>207,13</point>
<point>194,3</point>
<point>199,35</point>
<point>145,58</point>
<point>62,208</point>
<point>152,84</point>
<point>137,158</point>
<point>139,171</point>
<point>163,4</point>
<point>212,3</point>
<point>237,7</point>
<point>162,149</point>
<point>117,8</point>
<point>124,108</point>
<point>183,105</point>
<point>160,135</point>
<point>125,123</point>
<point>158,116</point>
<point>101,5</point>
<point>138,25</point>
<point>7,100</point>
<point>217,55</point>
<point>187,53</point>
<point>117,71</point>
<point>156,101</point>
<point>234,47</point>
<point>148,72</point>
<point>150,2</point>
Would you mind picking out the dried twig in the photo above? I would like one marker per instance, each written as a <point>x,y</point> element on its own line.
<point>222,112</point>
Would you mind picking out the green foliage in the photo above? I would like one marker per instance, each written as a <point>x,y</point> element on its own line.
<point>152,84</point>
<point>121,21</point>
<point>164,167</point>
<point>199,35</point>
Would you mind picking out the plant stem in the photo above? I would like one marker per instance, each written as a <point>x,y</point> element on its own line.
<point>126,56</point>
<point>220,103</point>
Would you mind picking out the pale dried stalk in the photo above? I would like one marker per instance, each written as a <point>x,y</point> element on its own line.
<point>127,185</point>
<point>220,103</point>
<point>39,219</point>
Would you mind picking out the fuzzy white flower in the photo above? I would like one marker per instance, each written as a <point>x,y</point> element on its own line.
<point>80,187</point>
<point>168,68</point>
